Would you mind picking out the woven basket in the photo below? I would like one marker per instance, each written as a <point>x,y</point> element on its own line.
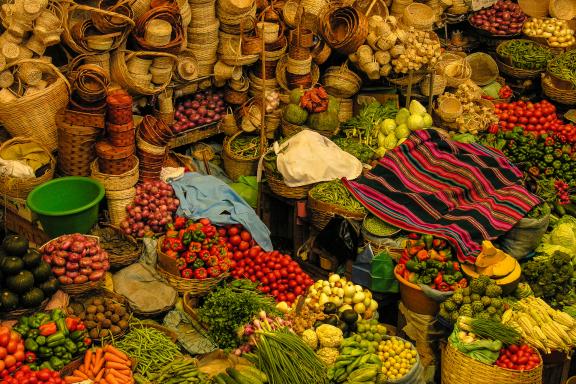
<point>148,40</point>
<point>18,313</point>
<point>119,257</point>
<point>341,82</point>
<point>35,115</point>
<point>235,166</point>
<point>195,287</point>
<point>279,188</point>
<point>344,28</point>
<point>122,76</point>
<point>517,73</point>
<point>20,188</point>
<point>437,87</point>
<point>562,96</point>
<point>76,148</point>
<point>562,9</point>
<point>322,213</point>
<point>454,68</point>
<point>534,8</point>
<point>282,74</point>
<point>117,203</point>
<point>289,129</point>
<point>458,368</point>
<point>449,109</point>
<point>420,16</point>
<point>107,23</point>
<point>484,68</point>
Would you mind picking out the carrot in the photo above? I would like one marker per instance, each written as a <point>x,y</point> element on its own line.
<point>80,373</point>
<point>117,375</point>
<point>73,379</point>
<point>116,351</point>
<point>99,375</point>
<point>88,359</point>
<point>111,380</point>
<point>112,357</point>
<point>112,364</point>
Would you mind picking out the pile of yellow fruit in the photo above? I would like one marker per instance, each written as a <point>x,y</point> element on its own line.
<point>398,356</point>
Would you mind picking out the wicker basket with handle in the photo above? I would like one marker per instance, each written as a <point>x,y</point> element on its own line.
<point>236,166</point>
<point>34,115</point>
<point>19,187</point>
<point>458,368</point>
<point>322,212</point>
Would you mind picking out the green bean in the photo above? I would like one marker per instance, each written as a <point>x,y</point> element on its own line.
<point>525,54</point>
<point>334,192</point>
<point>564,67</point>
<point>244,146</point>
<point>378,227</point>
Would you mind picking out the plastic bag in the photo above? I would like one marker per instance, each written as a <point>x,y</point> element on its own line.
<point>435,294</point>
<point>525,236</point>
<point>382,274</point>
<point>485,351</point>
<point>247,188</point>
<point>340,238</point>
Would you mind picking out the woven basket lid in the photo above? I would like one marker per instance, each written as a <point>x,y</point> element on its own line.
<point>119,98</point>
<point>106,150</point>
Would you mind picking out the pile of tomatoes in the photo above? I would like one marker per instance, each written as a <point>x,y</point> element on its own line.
<point>11,351</point>
<point>27,376</point>
<point>518,357</point>
<point>539,118</point>
<point>237,238</point>
<point>278,274</point>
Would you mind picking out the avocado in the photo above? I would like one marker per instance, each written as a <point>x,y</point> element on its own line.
<point>9,300</point>
<point>50,286</point>
<point>349,316</point>
<point>330,308</point>
<point>12,265</point>
<point>32,258</point>
<point>42,272</point>
<point>15,245</point>
<point>20,283</point>
<point>32,298</point>
<point>332,320</point>
<point>342,325</point>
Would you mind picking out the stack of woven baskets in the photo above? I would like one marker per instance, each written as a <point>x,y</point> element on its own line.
<point>299,62</point>
<point>203,36</point>
<point>344,28</point>
<point>89,86</point>
<point>152,143</point>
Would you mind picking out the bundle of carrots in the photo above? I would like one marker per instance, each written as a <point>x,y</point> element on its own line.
<point>315,100</point>
<point>106,365</point>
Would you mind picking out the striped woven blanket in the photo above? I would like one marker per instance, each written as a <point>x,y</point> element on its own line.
<point>464,193</point>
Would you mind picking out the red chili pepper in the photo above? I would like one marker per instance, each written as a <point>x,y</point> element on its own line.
<point>443,287</point>
<point>72,323</point>
<point>463,283</point>
<point>200,273</point>
<point>48,329</point>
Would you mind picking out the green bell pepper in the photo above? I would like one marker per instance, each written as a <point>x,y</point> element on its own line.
<point>56,363</point>
<point>62,327</point>
<point>24,320</point>
<point>45,351</point>
<point>70,346</point>
<point>46,365</point>
<point>55,340</point>
<point>38,319</point>
<point>77,335</point>
<point>31,345</point>
<point>57,314</point>
<point>33,333</point>
<point>41,340</point>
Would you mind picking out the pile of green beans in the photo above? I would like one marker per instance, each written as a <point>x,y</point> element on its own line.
<point>247,147</point>
<point>151,348</point>
<point>181,370</point>
<point>378,227</point>
<point>564,67</point>
<point>334,192</point>
<point>285,358</point>
<point>526,54</point>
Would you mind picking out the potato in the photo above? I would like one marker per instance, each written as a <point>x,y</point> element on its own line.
<point>106,323</point>
<point>100,317</point>
<point>90,316</point>
<point>104,333</point>
<point>115,329</point>
<point>98,301</point>
<point>92,309</point>
<point>93,333</point>
<point>108,314</point>
<point>115,318</point>
<point>123,324</point>
<point>101,308</point>
<point>90,324</point>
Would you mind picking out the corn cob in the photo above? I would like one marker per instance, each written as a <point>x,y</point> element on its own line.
<point>507,316</point>
<point>564,319</point>
<point>536,343</point>
<point>561,333</point>
<point>551,336</point>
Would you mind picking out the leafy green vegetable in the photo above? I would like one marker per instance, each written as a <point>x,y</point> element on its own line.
<point>364,126</point>
<point>562,238</point>
<point>351,145</point>
<point>229,307</point>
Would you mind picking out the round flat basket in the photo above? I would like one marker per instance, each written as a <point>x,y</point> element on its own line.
<point>404,81</point>
<point>289,129</point>
<point>484,68</point>
<point>458,368</point>
<point>323,212</point>
<point>561,96</point>
<point>19,187</point>
<point>194,286</point>
<point>122,249</point>
<point>279,188</point>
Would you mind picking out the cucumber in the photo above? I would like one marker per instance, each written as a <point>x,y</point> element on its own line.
<point>253,372</point>
<point>227,379</point>
<point>219,379</point>
<point>240,378</point>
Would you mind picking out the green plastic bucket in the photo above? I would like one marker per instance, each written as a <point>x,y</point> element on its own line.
<point>66,205</point>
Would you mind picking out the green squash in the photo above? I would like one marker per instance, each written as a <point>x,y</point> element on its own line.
<point>50,286</point>
<point>32,298</point>
<point>296,95</point>
<point>42,272</point>
<point>324,121</point>
<point>20,283</point>
<point>349,316</point>
<point>333,104</point>
<point>295,115</point>
<point>32,258</point>
<point>15,245</point>
<point>9,300</point>
<point>12,265</point>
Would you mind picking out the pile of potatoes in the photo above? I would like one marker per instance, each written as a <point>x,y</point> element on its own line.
<point>102,316</point>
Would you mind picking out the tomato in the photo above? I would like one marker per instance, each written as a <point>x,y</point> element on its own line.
<point>12,345</point>
<point>243,246</point>
<point>233,231</point>
<point>281,297</point>
<point>245,235</point>
<point>4,336</point>
<point>235,240</point>
<point>19,355</point>
<point>9,361</point>
<point>290,296</point>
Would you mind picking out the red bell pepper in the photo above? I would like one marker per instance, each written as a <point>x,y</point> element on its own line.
<point>422,255</point>
<point>212,261</point>
<point>72,323</point>
<point>81,327</point>
<point>456,266</point>
<point>29,357</point>
<point>171,254</point>
<point>406,274</point>
<point>200,273</point>
<point>413,236</point>
<point>214,271</point>
<point>48,329</point>
<point>87,341</point>
<point>171,234</point>
<point>190,257</point>
<point>195,247</point>
<point>181,263</point>
<point>400,268</point>
<point>438,279</point>
<point>204,254</point>
<point>179,222</point>
<point>443,287</point>
<point>187,273</point>
<point>463,283</point>
<point>224,266</point>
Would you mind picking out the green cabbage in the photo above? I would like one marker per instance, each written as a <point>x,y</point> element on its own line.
<point>563,234</point>
<point>387,126</point>
<point>390,141</point>
<point>416,108</point>
<point>415,122</point>
<point>562,238</point>
<point>402,131</point>
<point>402,116</point>
<point>427,120</point>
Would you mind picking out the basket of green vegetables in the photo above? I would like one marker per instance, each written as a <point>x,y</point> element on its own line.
<point>240,155</point>
<point>522,59</point>
<point>276,181</point>
<point>377,233</point>
<point>329,199</point>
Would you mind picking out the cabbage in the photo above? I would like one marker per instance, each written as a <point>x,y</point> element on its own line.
<point>415,122</point>
<point>381,139</point>
<point>402,116</point>
<point>387,126</point>
<point>427,120</point>
<point>416,108</point>
<point>390,141</point>
<point>402,131</point>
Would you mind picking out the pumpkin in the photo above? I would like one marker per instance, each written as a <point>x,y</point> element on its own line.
<point>32,298</point>
<point>324,121</point>
<point>296,95</point>
<point>20,283</point>
<point>42,272</point>
<point>50,286</point>
<point>12,265</point>
<point>9,300</point>
<point>15,245</point>
<point>32,258</point>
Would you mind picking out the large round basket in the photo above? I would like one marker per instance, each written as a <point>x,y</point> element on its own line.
<point>322,213</point>
<point>517,73</point>
<point>18,187</point>
<point>34,115</point>
<point>341,82</point>
<point>484,68</point>
<point>122,249</point>
<point>236,166</point>
<point>197,287</point>
<point>404,81</point>
<point>415,299</point>
<point>116,182</point>
<point>562,96</point>
<point>458,368</point>
<point>280,188</point>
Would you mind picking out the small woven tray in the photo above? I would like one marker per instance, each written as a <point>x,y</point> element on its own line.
<point>322,213</point>
<point>119,259</point>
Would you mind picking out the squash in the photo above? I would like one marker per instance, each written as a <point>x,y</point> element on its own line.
<point>20,283</point>
<point>490,255</point>
<point>470,271</point>
<point>504,267</point>
<point>324,121</point>
<point>32,258</point>
<point>333,104</point>
<point>42,272</point>
<point>12,265</point>
<point>295,115</point>
<point>295,96</point>
<point>50,286</point>
<point>510,282</point>
<point>32,298</point>
<point>486,271</point>
<point>9,300</point>
<point>15,245</point>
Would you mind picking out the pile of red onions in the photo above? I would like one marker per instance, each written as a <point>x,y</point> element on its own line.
<point>503,18</point>
<point>76,259</point>
<point>152,209</point>
<point>199,109</point>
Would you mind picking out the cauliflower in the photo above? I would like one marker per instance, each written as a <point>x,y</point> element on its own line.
<point>328,355</point>
<point>329,336</point>
<point>310,338</point>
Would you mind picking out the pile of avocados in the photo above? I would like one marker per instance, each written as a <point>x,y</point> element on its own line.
<point>25,279</point>
<point>345,320</point>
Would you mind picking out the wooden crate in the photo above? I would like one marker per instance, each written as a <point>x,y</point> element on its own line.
<point>21,226</point>
<point>195,135</point>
